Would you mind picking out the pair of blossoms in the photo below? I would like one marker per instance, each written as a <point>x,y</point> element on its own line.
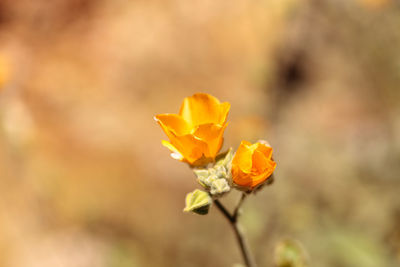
<point>196,137</point>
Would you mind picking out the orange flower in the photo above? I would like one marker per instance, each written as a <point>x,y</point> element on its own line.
<point>252,164</point>
<point>196,133</point>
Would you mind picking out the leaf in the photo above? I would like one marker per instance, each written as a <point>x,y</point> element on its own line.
<point>198,202</point>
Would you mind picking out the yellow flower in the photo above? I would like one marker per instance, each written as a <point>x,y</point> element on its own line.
<point>196,133</point>
<point>252,164</point>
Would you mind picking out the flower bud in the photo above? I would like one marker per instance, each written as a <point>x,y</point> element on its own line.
<point>210,180</point>
<point>219,187</point>
<point>221,171</point>
<point>252,165</point>
<point>216,179</point>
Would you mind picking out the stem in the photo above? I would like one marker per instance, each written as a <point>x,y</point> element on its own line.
<point>244,247</point>
<point>223,210</point>
<point>236,213</point>
<point>233,221</point>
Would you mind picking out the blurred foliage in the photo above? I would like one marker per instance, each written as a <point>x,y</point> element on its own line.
<point>84,180</point>
<point>290,253</point>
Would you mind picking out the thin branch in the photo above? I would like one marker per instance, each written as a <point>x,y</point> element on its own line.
<point>236,213</point>
<point>224,211</point>
<point>244,248</point>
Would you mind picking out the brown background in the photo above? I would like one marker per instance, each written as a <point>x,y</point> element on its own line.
<point>84,180</point>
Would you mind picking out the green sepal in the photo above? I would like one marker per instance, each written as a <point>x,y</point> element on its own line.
<point>224,159</point>
<point>198,202</point>
<point>202,175</point>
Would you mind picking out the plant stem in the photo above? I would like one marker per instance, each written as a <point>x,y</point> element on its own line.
<point>233,221</point>
<point>238,206</point>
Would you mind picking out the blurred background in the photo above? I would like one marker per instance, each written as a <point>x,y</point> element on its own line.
<point>85,181</point>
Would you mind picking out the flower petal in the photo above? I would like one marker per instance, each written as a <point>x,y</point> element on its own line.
<point>261,177</point>
<point>202,109</point>
<point>212,134</point>
<point>175,153</point>
<point>172,123</point>
<point>251,180</point>
<point>241,178</point>
<point>266,150</point>
<point>224,110</point>
<point>191,147</point>
<point>259,162</point>
<point>243,157</point>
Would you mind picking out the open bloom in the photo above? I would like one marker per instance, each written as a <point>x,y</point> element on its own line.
<point>196,133</point>
<point>252,164</point>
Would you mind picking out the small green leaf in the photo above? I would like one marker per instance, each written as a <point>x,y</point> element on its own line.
<point>198,202</point>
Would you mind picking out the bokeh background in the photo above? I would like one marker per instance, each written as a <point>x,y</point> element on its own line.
<point>85,182</point>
